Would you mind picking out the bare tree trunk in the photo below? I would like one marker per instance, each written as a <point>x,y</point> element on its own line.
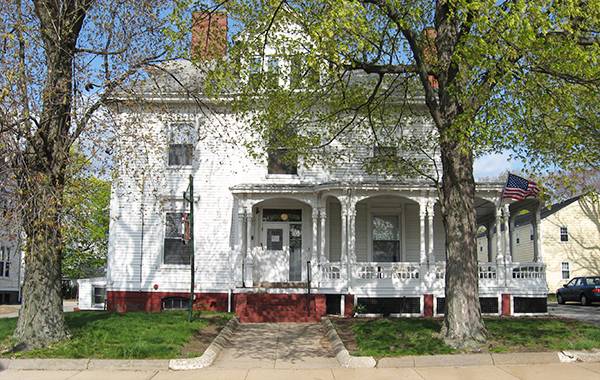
<point>41,178</point>
<point>463,326</point>
<point>41,316</point>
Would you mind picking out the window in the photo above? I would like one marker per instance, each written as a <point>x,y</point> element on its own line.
<point>99,294</point>
<point>281,161</point>
<point>180,154</point>
<point>181,144</point>
<point>592,281</point>
<point>273,72</point>
<point>566,273</point>
<point>531,233</point>
<point>175,303</point>
<point>176,250</point>
<point>386,238</point>
<point>281,215</point>
<point>385,152</point>
<point>564,234</point>
<point>4,262</point>
<point>518,239</point>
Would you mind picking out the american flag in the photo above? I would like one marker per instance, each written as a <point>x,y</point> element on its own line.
<point>519,188</point>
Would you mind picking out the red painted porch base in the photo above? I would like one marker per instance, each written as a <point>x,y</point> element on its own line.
<point>428,305</point>
<point>506,305</point>
<point>266,307</point>
<point>348,305</point>
<point>124,301</point>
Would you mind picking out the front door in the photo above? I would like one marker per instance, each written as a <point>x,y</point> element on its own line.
<point>283,249</point>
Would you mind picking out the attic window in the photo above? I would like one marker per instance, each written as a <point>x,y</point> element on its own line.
<point>281,161</point>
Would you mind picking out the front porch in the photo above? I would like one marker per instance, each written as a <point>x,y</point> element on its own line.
<point>374,242</point>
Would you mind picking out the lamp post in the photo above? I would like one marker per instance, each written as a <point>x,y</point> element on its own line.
<point>188,196</point>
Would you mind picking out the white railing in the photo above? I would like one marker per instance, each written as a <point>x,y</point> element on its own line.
<point>527,271</point>
<point>440,270</point>
<point>331,275</point>
<point>488,271</point>
<point>386,271</point>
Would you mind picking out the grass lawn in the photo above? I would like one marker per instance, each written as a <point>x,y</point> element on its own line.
<point>418,336</point>
<point>135,335</point>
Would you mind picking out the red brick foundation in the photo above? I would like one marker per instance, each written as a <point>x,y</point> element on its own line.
<point>428,305</point>
<point>348,305</point>
<point>506,305</point>
<point>125,301</point>
<point>267,307</point>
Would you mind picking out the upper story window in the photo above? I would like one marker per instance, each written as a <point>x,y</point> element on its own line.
<point>566,273</point>
<point>386,238</point>
<point>564,234</point>
<point>176,249</point>
<point>4,262</point>
<point>282,161</point>
<point>384,152</point>
<point>181,144</point>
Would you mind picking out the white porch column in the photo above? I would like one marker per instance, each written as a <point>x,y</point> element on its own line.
<point>248,257</point>
<point>507,239</point>
<point>511,234</point>
<point>537,234</point>
<point>239,250</point>
<point>344,254</point>
<point>323,219</point>
<point>488,234</point>
<point>422,216</point>
<point>498,225</point>
<point>315,241</point>
<point>431,253</point>
<point>352,235</point>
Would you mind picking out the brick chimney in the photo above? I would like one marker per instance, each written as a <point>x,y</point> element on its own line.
<point>209,35</point>
<point>430,53</point>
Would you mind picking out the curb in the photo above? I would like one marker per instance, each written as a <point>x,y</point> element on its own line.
<point>211,352</point>
<point>82,364</point>
<point>341,353</point>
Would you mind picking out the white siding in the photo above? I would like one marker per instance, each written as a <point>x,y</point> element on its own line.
<point>362,224</point>
<point>412,232</point>
<point>334,238</point>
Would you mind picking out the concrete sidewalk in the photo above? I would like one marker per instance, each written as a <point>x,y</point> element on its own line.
<point>562,371</point>
<point>277,345</point>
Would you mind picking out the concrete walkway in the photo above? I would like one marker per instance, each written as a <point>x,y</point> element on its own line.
<point>587,371</point>
<point>277,345</point>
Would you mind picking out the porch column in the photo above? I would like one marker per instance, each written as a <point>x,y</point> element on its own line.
<point>422,215</point>
<point>323,218</point>
<point>498,225</point>
<point>344,253</point>
<point>352,235</point>
<point>431,253</point>
<point>538,256</point>
<point>511,234</point>
<point>314,258</point>
<point>248,259</point>
<point>507,247</point>
<point>490,246</point>
<point>239,250</point>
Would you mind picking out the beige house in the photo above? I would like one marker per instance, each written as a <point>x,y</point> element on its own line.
<point>570,235</point>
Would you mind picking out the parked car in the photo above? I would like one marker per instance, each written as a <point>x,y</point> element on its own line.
<point>583,289</point>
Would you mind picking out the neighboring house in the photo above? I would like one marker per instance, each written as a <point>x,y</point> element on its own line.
<point>11,276</point>
<point>276,241</point>
<point>570,239</point>
<point>91,293</point>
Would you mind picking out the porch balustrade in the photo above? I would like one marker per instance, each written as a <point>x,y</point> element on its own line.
<point>406,275</point>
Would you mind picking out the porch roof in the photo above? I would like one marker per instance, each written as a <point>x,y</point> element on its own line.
<point>408,185</point>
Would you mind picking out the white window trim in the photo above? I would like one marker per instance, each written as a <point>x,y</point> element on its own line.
<point>384,211</point>
<point>195,122</point>
<point>562,270</point>
<point>560,231</point>
<point>181,209</point>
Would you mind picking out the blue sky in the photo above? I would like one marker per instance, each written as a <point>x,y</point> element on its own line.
<point>491,165</point>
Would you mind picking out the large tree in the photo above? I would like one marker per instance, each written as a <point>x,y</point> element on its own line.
<point>493,75</point>
<point>61,61</point>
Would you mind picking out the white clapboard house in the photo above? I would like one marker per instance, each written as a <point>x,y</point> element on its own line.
<point>281,242</point>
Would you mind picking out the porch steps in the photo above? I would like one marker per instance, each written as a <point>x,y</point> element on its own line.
<point>267,307</point>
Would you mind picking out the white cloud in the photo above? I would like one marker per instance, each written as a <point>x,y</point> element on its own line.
<point>492,165</point>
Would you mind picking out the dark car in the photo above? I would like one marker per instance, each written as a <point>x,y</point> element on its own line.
<point>582,289</point>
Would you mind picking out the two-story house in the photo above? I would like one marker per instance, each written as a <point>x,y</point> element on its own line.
<point>277,241</point>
